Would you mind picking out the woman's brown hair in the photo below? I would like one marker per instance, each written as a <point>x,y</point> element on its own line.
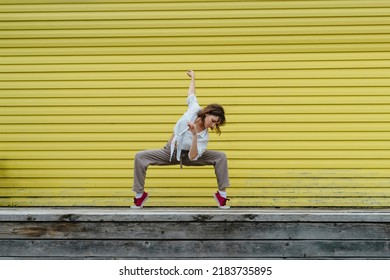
<point>215,110</point>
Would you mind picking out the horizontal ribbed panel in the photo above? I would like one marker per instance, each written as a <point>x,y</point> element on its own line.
<point>305,85</point>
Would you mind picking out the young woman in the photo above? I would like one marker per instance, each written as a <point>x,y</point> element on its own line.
<point>187,146</point>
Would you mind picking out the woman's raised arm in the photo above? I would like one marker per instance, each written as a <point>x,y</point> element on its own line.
<point>191,89</point>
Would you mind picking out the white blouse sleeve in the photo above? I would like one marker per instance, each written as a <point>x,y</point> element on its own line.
<point>193,104</point>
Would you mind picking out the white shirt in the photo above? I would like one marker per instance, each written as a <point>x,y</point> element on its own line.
<point>183,136</point>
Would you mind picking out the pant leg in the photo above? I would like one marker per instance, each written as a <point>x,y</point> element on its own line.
<point>218,160</point>
<point>149,157</point>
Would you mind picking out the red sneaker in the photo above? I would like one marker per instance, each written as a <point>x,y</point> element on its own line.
<point>221,201</point>
<point>139,202</point>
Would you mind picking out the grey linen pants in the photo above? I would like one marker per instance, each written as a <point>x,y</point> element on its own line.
<point>161,157</point>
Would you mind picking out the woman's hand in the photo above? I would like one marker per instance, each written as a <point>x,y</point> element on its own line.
<point>191,74</point>
<point>194,145</point>
<point>192,128</point>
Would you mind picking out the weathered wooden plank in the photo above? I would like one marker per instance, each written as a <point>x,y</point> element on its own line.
<point>194,230</point>
<point>195,249</point>
<point>112,233</point>
<point>103,214</point>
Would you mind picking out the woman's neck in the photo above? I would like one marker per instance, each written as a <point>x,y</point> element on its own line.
<point>199,124</point>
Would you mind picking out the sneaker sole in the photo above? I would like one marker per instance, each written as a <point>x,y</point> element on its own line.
<point>219,206</point>
<point>142,205</point>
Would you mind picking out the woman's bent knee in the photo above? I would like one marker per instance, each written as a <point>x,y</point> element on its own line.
<point>222,156</point>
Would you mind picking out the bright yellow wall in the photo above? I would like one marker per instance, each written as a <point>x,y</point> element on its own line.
<point>87,84</point>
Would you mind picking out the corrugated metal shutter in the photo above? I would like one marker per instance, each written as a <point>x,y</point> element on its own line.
<point>87,84</point>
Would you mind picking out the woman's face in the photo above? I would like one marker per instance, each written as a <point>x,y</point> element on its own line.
<point>210,121</point>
